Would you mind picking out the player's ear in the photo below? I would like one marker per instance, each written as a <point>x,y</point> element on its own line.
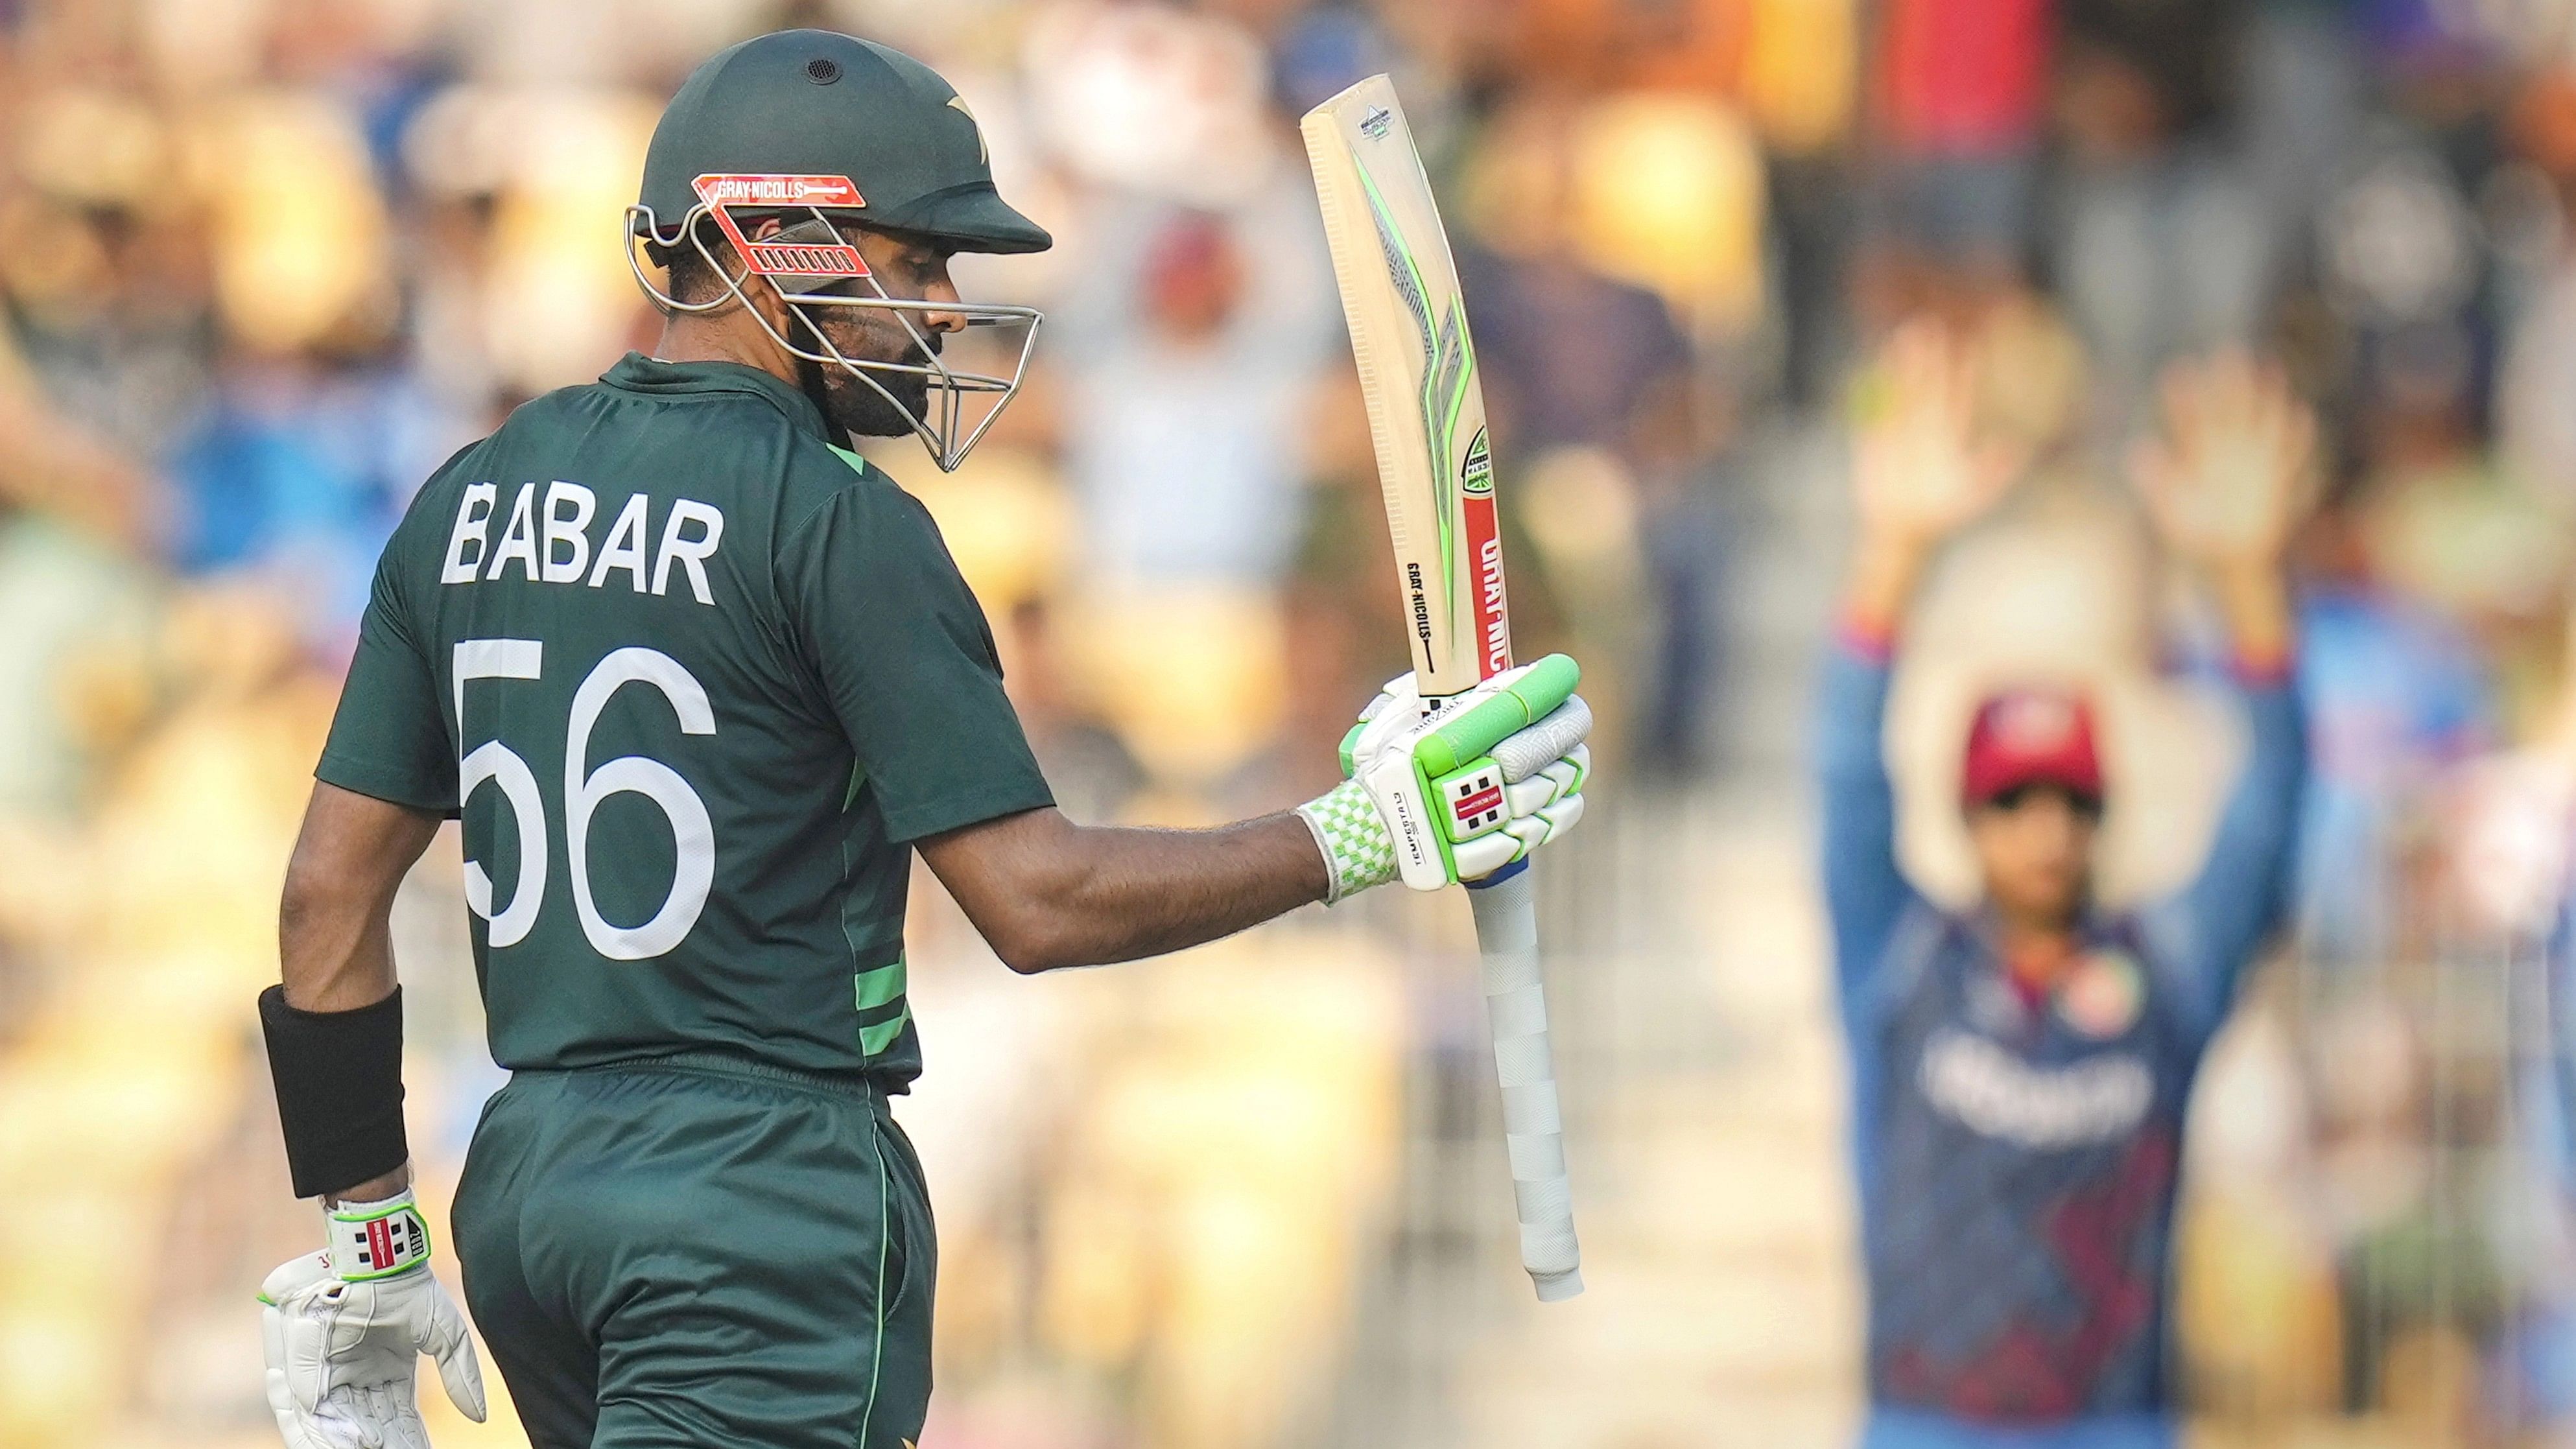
<point>766,299</point>
<point>759,231</point>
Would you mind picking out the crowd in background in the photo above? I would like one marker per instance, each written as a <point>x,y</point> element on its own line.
<point>265,263</point>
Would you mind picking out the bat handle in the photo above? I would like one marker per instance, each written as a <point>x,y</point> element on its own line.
<point>1533,1127</point>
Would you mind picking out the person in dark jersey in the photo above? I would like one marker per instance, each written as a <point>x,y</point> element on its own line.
<point>699,682</point>
<point>2021,1069</point>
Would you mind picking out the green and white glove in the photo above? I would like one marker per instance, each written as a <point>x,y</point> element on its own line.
<point>1455,789</point>
<point>345,1328</point>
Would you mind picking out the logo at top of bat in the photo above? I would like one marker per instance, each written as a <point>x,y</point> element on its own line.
<point>1377,122</point>
<point>1476,470</point>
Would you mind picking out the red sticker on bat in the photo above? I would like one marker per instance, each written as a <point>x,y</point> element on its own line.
<point>1493,642</point>
<point>1485,555</point>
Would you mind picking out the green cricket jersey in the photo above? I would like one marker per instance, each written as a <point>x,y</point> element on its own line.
<point>693,678</point>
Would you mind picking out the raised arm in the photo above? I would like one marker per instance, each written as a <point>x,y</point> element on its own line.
<point>1432,798</point>
<point>1919,475</point>
<point>2226,482</point>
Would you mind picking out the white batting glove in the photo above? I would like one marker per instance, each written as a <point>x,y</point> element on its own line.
<point>345,1328</point>
<point>1456,794</point>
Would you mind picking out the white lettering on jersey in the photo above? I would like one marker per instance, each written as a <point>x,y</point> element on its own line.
<point>625,545</point>
<point>519,540</point>
<point>569,530</point>
<point>691,553</point>
<point>473,526</point>
<point>2042,1108</point>
<point>551,544</point>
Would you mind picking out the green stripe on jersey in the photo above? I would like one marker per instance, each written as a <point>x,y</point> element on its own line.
<point>880,986</point>
<point>875,1039</point>
<point>877,990</point>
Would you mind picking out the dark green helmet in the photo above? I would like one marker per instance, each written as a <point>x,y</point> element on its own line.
<point>785,141</point>
<point>812,104</point>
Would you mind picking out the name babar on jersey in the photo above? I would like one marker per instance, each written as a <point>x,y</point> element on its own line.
<point>546,537</point>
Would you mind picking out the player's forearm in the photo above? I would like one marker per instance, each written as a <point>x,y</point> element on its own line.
<point>1144,892</point>
<point>1048,894</point>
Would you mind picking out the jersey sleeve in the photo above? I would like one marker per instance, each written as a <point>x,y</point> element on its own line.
<point>881,615</point>
<point>389,739</point>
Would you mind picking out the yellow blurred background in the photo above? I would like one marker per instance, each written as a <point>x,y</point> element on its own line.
<point>264,263</point>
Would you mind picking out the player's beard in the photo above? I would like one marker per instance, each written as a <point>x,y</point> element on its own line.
<point>847,401</point>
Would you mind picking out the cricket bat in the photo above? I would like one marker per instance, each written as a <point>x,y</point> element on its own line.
<point>1426,409</point>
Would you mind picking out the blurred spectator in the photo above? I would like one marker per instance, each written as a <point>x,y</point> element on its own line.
<point>1800,82</point>
<point>2395,697</point>
<point>298,473</point>
<point>1190,349</point>
<point>1600,405</point>
<point>1960,91</point>
<point>2536,432</point>
<point>1690,478</point>
<point>2160,249</point>
<point>1188,361</point>
<point>2022,1069</point>
<point>1570,356</point>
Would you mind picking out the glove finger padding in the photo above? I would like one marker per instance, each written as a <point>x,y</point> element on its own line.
<point>1549,825</point>
<point>295,1421</point>
<point>303,1356</point>
<point>1561,778</point>
<point>1516,837</point>
<point>1552,739</point>
<point>1510,702</point>
<point>365,1416</point>
<point>336,1423</point>
<point>444,1338</point>
<point>388,1412</point>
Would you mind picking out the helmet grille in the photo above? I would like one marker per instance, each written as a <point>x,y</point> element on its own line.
<point>822,70</point>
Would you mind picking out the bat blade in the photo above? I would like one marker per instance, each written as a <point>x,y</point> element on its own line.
<point>1417,368</point>
<point>1426,407</point>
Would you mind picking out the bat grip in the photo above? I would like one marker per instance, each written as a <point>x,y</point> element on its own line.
<point>1533,1127</point>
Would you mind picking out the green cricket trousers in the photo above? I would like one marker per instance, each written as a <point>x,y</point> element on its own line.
<point>700,1251</point>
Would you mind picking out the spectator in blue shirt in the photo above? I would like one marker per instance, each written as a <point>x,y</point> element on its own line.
<point>2021,1069</point>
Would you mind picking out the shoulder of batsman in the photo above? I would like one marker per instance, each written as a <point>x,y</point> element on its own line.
<point>824,477</point>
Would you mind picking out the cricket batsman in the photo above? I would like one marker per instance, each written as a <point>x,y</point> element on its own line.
<point>2021,1070</point>
<point>698,683</point>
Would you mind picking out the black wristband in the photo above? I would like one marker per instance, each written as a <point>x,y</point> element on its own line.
<point>339,1090</point>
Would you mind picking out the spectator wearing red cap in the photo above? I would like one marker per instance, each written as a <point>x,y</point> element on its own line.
<point>2021,1069</point>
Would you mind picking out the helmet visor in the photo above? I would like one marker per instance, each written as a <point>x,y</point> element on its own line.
<point>949,403</point>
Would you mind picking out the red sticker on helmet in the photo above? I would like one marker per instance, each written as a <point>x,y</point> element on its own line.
<point>776,258</point>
